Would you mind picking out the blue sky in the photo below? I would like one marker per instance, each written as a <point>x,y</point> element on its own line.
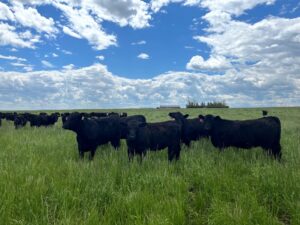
<point>135,53</point>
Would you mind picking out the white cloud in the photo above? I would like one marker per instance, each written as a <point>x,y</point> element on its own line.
<point>54,55</point>
<point>25,67</point>
<point>142,42</point>
<point>123,12</point>
<point>214,63</point>
<point>18,64</point>
<point>47,64</point>
<point>28,68</point>
<point>83,24</point>
<point>95,86</point>
<point>234,7</point>
<point>143,56</point>
<point>9,36</point>
<point>156,5</point>
<point>9,57</point>
<point>30,17</point>
<point>5,12</point>
<point>278,42</point>
<point>70,32</point>
<point>66,52</point>
<point>84,19</point>
<point>69,67</point>
<point>264,54</point>
<point>100,57</point>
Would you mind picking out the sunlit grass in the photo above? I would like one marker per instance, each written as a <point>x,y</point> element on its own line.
<point>42,180</point>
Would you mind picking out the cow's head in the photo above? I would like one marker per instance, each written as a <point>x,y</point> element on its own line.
<point>208,121</point>
<point>72,121</point>
<point>178,116</point>
<point>133,129</point>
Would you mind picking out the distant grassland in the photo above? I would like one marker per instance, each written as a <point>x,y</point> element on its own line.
<point>42,180</point>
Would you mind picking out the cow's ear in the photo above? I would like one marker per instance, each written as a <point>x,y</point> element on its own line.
<point>81,116</point>
<point>186,116</point>
<point>201,118</point>
<point>142,124</point>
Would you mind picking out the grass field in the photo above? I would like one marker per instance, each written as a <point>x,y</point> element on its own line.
<point>42,180</point>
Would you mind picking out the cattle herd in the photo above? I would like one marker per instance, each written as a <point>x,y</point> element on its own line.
<point>98,128</point>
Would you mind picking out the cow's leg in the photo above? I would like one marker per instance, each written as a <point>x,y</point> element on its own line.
<point>178,149</point>
<point>116,143</point>
<point>130,152</point>
<point>187,142</point>
<point>141,156</point>
<point>81,152</point>
<point>276,151</point>
<point>171,153</point>
<point>93,151</point>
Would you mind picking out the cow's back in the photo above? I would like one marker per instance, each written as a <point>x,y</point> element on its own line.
<point>248,133</point>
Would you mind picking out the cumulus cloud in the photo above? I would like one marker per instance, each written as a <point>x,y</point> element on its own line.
<point>214,63</point>
<point>30,17</point>
<point>69,67</point>
<point>70,32</point>
<point>84,19</point>
<point>123,12</point>
<point>234,7</point>
<point>143,56</point>
<point>260,62</point>
<point>95,86</point>
<point>100,57</point>
<point>265,54</point>
<point>5,12</point>
<point>83,25</point>
<point>9,36</point>
<point>47,64</point>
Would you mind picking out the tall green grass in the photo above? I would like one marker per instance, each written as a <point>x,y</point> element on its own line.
<point>42,180</point>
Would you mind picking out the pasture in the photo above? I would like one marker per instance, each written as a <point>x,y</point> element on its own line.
<point>43,181</point>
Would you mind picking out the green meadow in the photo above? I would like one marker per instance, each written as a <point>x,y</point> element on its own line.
<point>43,181</point>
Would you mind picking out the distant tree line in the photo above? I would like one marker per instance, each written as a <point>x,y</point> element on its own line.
<point>214,104</point>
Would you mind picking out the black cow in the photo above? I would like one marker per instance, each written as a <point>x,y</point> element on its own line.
<point>64,117</point>
<point>264,112</point>
<point>123,114</point>
<point>20,121</point>
<point>153,136</point>
<point>263,132</point>
<point>93,132</point>
<point>10,116</point>
<point>113,114</point>
<point>52,119</point>
<point>42,120</point>
<point>98,114</point>
<point>192,129</point>
<point>125,120</point>
<point>2,116</point>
